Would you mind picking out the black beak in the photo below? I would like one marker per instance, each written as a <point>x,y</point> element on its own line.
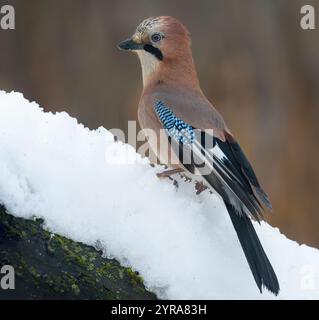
<point>129,44</point>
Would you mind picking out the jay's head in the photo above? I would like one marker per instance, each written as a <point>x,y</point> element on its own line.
<point>159,41</point>
<point>163,37</point>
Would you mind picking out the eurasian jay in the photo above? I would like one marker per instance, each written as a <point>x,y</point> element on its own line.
<point>172,101</point>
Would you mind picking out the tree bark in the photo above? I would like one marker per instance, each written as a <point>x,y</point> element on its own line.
<point>50,266</point>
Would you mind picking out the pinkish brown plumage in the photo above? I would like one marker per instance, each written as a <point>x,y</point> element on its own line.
<point>172,101</point>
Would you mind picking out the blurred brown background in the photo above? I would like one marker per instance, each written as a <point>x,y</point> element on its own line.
<point>255,63</point>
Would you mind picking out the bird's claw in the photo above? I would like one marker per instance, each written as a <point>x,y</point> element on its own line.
<point>200,187</point>
<point>169,173</point>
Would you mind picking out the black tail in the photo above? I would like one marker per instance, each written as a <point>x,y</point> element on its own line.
<point>258,262</point>
<point>232,177</point>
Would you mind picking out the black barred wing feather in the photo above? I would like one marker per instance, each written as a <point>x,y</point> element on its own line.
<point>175,127</point>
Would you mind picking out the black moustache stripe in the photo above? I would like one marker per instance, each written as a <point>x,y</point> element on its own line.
<point>154,51</point>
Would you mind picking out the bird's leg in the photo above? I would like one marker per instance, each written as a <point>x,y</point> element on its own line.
<point>200,187</point>
<point>169,173</point>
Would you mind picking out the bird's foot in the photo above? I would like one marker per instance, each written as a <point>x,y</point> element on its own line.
<point>169,173</point>
<point>200,187</point>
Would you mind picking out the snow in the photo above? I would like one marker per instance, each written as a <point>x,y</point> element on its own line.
<point>93,190</point>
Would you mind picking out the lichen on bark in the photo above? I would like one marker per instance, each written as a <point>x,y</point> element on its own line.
<point>50,266</point>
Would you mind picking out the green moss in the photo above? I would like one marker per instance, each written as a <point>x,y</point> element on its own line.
<point>75,289</point>
<point>136,279</point>
<point>52,266</point>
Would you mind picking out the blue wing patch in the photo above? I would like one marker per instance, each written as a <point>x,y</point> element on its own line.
<point>175,127</point>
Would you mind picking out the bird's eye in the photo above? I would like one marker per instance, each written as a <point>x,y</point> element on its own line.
<point>156,37</point>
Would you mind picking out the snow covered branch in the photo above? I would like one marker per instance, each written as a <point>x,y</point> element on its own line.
<point>49,266</point>
<point>183,245</point>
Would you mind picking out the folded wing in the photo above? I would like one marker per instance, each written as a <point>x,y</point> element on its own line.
<point>226,169</point>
